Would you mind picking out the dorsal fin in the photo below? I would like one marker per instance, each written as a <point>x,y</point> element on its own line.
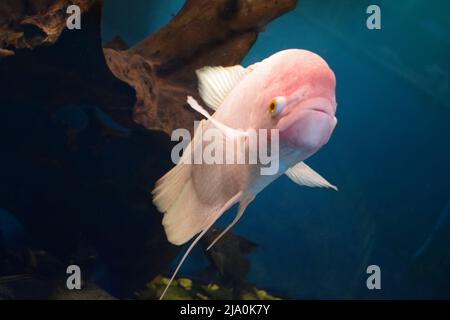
<point>305,176</point>
<point>215,83</point>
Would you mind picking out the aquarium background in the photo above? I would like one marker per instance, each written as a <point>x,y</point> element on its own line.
<point>389,155</point>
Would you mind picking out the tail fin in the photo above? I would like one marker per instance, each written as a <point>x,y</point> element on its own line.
<point>175,196</point>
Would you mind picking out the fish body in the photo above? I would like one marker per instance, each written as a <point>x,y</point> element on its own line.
<point>291,92</point>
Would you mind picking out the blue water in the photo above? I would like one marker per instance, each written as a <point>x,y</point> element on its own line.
<point>389,156</point>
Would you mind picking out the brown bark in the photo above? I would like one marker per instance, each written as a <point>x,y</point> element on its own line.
<point>28,24</point>
<point>203,33</point>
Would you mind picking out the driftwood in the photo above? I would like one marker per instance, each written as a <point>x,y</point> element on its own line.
<point>203,33</point>
<point>29,24</point>
<point>83,185</point>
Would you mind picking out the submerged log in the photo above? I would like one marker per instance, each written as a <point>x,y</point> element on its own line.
<point>30,24</point>
<point>203,33</point>
<point>65,67</point>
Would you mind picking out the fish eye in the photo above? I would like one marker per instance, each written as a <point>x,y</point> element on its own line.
<point>276,105</point>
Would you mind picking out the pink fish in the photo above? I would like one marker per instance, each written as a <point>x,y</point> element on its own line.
<point>292,92</point>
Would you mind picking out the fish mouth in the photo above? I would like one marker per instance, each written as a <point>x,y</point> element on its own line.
<point>320,110</point>
<point>317,105</point>
<point>322,105</point>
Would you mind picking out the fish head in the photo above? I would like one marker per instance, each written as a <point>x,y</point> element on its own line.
<point>300,100</point>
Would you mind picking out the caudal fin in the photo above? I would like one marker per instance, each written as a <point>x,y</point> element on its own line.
<point>175,196</point>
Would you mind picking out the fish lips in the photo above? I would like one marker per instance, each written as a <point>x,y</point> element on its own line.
<point>309,126</point>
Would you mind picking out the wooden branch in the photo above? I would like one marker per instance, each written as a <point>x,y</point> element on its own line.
<point>30,24</point>
<point>203,33</point>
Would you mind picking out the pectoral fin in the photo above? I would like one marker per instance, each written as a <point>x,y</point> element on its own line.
<point>229,132</point>
<point>305,176</point>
